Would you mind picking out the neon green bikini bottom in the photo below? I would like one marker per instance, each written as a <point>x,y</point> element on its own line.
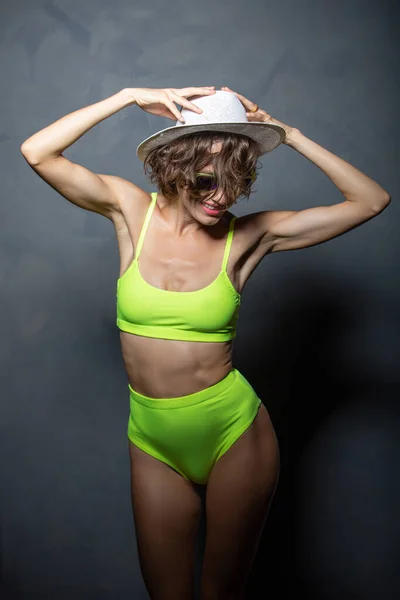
<point>190,433</point>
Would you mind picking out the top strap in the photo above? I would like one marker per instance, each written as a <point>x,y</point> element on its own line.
<point>228,244</point>
<point>146,224</point>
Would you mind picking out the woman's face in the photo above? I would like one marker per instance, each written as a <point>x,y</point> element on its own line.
<point>207,212</point>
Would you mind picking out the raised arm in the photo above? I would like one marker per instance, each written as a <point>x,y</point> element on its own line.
<point>364,199</point>
<point>43,152</point>
<point>280,230</point>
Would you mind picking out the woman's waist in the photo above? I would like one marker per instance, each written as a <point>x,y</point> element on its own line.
<point>168,368</point>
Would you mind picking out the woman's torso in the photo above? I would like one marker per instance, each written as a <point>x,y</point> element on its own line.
<point>163,368</point>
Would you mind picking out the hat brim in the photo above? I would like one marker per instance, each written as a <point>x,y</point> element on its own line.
<point>268,135</point>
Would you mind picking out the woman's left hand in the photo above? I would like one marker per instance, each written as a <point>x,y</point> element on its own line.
<point>261,115</point>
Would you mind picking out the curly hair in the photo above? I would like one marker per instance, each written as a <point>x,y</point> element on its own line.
<point>176,164</point>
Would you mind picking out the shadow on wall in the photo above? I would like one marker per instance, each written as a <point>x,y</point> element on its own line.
<point>334,523</point>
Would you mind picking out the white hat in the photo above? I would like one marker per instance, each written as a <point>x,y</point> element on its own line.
<point>222,111</point>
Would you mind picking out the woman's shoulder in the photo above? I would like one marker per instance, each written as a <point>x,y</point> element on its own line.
<point>245,227</point>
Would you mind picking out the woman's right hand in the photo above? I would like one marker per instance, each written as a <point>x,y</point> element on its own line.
<point>161,101</point>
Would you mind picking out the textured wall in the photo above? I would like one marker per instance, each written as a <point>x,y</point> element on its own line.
<point>318,335</point>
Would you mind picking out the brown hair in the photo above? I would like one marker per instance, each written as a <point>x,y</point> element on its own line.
<point>176,163</point>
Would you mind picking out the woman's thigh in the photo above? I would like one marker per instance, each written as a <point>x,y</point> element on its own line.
<point>166,510</point>
<point>240,489</point>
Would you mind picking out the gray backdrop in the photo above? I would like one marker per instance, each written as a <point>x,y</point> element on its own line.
<point>318,335</point>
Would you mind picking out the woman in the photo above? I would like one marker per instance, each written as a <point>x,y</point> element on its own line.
<point>194,419</point>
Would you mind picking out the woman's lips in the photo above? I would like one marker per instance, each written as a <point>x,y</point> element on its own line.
<point>215,211</point>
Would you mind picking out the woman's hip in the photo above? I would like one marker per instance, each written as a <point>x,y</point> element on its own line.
<point>203,414</point>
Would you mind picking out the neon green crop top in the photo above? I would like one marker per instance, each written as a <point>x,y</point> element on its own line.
<point>206,315</point>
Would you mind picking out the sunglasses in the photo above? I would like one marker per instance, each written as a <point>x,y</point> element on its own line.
<point>206,182</point>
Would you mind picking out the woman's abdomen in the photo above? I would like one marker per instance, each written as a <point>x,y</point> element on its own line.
<point>167,368</point>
